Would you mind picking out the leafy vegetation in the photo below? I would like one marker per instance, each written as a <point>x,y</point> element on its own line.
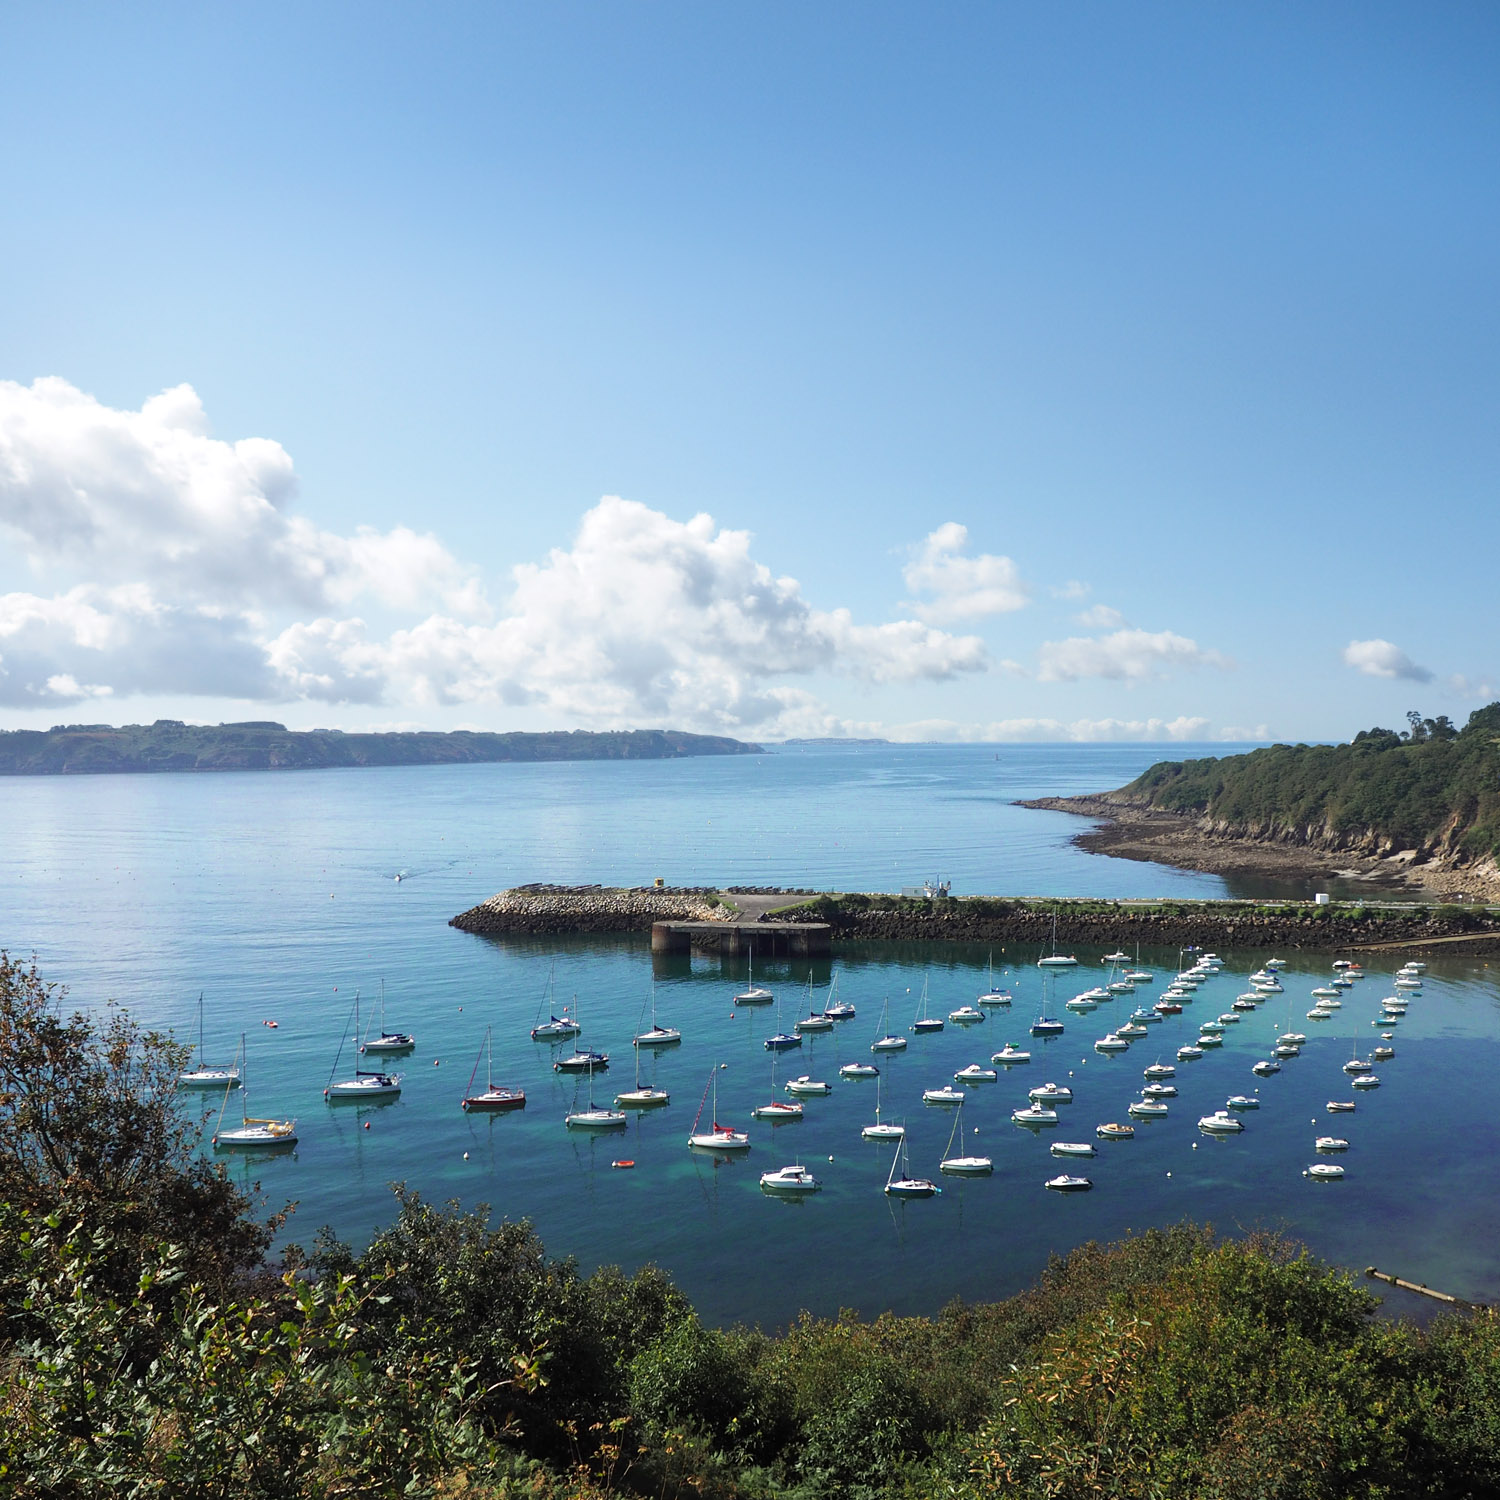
<point>171,745</point>
<point>146,1355</point>
<point>1430,787</point>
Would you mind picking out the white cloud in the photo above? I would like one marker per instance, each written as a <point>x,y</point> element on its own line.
<point>177,567</point>
<point>1072,589</point>
<point>1379,658</point>
<point>1479,690</point>
<point>1100,617</point>
<point>1043,730</point>
<point>1129,655</point>
<point>148,497</point>
<point>962,588</point>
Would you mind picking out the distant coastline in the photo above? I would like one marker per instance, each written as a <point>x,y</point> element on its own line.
<point>262,745</point>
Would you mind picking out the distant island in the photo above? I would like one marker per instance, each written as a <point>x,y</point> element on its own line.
<point>261,745</point>
<point>1419,806</point>
<point>833,739</point>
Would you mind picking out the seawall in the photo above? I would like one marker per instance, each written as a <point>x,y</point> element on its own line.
<point>559,910</point>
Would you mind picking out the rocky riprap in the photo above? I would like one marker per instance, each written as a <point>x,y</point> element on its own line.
<point>1208,925</point>
<point>592,908</point>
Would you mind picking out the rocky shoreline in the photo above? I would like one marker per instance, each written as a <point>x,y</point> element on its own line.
<point>1005,924</point>
<point>560,909</point>
<point>1130,831</point>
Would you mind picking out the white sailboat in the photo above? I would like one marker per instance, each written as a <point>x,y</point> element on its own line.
<point>388,1041</point>
<point>776,1109</point>
<point>646,1096</point>
<point>1054,959</point>
<point>367,1083</point>
<point>963,1166</point>
<point>204,1076</point>
<point>888,1041</point>
<point>252,1133</point>
<point>753,994</point>
<point>923,1022</point>
<point>595,1117</point>
<point>724,1139</point>
<point>882,1130</point>
<point>993,995</point>
<point>657,1035</point>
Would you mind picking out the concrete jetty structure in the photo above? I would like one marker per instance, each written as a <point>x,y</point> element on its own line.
<point>733,939</point>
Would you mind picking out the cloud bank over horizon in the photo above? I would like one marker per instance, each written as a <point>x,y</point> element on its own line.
<point>165,562</point>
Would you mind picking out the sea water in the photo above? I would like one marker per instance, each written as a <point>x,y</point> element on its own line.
<point>275,896</point>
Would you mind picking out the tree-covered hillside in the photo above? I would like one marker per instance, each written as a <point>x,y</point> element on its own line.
<point>171,745</point>
<point>1431,787</point>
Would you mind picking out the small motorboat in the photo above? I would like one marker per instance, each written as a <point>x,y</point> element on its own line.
<point>1341,1107</point>
<point>859,1070</point>
<point>1292,1039</point>
<point>1266,1069</point>
<point>808,1088</point>
<point>1242,1101</point>
<point>1229,1018</point>
<point>1286,1051</point>
<point>1331,1143</point>
<point>1243,1004</point>
<point>966,1015</point>
<point>581,1062</point>
<point>1132,1031</point>
<point>1046,1026</point>
<point>789,1180</point>
<point>784,1041</point>
<point>1115,1132</point>
<point>1010,1053</point>
<point>1121,987</point>
<point>1069,1184</point>
<point>1113,958</point>
<point>1147,1109</point>
<point>1074,1148</point>
<point>1159,1070</point>
<point>1140,976</point>
<point>1273,964</point>
<point>1159,1091</point>
<point>1385,1020</point>
<point>1189,1053</point>
<point>1365,1081</point>
<point>1081,1004</point>
<point>1408,982</point>
<point>1324,1171</point>
<point>1221,1122</point>
<point>974,1073</point>
<point>777,1109</point>
<point>1168,1007</point>
<point>945,1095</point>
<point>1034,1114</point>
<point>1050,1093</point>
<point>1319,1013</point>
<point>1112,1041</point>
<point>1210,1039</point>
<point>1140,1016</point>
<point>1383,1054</point>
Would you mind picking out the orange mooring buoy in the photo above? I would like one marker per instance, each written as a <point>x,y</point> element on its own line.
<point>622,1163</point>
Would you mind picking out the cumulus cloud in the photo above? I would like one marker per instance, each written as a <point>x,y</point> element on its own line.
<point>1379,658</point>
<point>1128,655</point>
<point>649,617</point>
<point>150,497</point>
<point>177,565</point>
<point>962,588</point>
<point>1101,617</point>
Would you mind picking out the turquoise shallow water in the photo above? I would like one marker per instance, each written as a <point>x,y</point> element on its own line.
<point>274,895</point>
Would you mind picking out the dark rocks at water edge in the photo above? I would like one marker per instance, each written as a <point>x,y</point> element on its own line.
<point>558,909</point>
<point>171,745</point>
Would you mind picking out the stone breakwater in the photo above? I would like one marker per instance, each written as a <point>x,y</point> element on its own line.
<point>1231,925</point>
<point>560,909</point>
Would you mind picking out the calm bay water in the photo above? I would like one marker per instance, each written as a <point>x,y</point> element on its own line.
<point>274,895</point>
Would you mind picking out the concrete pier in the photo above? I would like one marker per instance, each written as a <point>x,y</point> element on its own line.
<point>770,939</point>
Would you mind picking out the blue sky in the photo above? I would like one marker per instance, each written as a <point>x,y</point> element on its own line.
<point>954,371</point>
